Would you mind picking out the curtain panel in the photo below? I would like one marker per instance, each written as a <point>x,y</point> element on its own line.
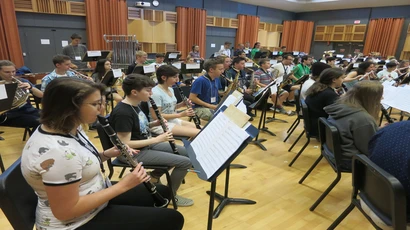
<point>297,35</point>
<point>248,27</point>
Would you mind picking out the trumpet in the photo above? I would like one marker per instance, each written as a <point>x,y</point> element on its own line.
<point>80,75</point>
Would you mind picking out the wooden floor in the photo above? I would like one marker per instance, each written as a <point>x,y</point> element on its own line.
<point>282,203</point>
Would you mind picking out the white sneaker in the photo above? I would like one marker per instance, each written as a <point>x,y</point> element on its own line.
<point>183,202</point>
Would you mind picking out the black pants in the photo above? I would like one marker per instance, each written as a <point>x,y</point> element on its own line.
<point>134,209</point>
<point>27,116</point>
<point>248,99</point>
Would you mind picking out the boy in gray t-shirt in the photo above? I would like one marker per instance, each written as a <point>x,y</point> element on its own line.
<point>76,52</point>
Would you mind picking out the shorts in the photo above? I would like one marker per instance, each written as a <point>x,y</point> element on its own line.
<point>171,124</point>
<point>287,87</point>
<point>204,113</point>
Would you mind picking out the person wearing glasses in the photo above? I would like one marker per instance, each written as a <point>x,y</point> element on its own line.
<point>65,169</point>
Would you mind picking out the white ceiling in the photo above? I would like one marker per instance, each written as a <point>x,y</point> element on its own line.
<point>310,5</point>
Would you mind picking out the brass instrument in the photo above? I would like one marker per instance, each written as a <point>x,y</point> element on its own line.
<point>21,96</point>
<point>233,84</point>
<point>252,85</point>
<point>286,77</point>
<point>80,75</point>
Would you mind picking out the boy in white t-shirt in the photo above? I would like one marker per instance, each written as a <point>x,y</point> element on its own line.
<point>388,74</point>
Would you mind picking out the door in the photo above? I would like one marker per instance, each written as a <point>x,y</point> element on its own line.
<point>214,43</point>
<point>41,44</point>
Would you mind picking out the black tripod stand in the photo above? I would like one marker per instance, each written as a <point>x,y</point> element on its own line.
<point>273,118</point>
<point>263,102</point>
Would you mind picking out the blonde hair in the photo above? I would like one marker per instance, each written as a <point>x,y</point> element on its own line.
<point>366,95</point>
<point>140,53</point>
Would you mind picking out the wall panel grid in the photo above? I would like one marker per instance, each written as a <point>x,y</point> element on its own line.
<point>221,22</point>
<point>51,7</point>
<point>269,35</point>
<point>340,33</point>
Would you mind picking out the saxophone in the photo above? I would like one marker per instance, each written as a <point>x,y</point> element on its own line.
<point>233,84</point>
<point>253,86</point>
<point>21,96</point>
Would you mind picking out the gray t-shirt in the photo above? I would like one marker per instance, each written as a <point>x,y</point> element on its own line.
<point>163,100</point>
<point>76,53</point>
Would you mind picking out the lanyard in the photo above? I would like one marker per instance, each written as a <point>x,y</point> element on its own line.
<point>285,69</point>
<point>210,84</point>
<point>90,147</point>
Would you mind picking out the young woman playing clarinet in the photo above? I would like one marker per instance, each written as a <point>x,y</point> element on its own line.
<point>101,69</point>
<point>133,128</point>
<point>163,95</point>
<point>65,169</point>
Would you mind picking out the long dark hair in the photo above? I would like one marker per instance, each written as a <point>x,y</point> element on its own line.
<point>363,67</point>
<point>256,43</point>
<point>100,68</point>
<point>325,80</point>
<point>62,101</point>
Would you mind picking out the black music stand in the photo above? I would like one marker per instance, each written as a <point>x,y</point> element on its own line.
<point>273,118</point>
<point>184,69</point>
<point>262,102</point>
<point>7,103</point>
<point>175,56</point>
<point>86,58</point>
<point>260,55</point>
<point>109,80</point>
<point>224,199</point>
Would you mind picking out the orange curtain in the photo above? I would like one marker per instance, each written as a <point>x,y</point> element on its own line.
<point>247,31</point>
<point>10,47</point>
<point>297,35</point>
<point>191,30</point>
<point>383,36</point>
<point>105,17</point>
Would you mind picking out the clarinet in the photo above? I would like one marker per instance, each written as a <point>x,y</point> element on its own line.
<point>386,115</point>
<point>188,105</point>
<point>163,125</point>
<point>159,201</point>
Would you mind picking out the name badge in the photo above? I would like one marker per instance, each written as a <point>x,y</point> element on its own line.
<point>213,99</point>
<point>78,58</point>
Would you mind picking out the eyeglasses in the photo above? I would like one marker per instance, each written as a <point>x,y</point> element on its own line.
<point>95,104</point>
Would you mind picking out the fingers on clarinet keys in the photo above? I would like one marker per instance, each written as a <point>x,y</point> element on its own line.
<point>136,177</point>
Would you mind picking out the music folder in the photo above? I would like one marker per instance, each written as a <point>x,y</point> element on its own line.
<point>220,142</point>
<point>7,92</point>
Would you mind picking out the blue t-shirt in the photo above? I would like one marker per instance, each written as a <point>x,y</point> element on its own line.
<point>389,149</point>
<point>206,89</point>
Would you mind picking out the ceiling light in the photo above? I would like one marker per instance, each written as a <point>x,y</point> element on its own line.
<point>311,1</point>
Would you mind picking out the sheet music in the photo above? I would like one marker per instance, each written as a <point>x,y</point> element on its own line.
<point>173,55</point>
<point>396,97</point>
<point>242,107</point>
<point>3,93</point>
<point>117,73</point>
<point>94,53</point>
<point>232,100</point>
<point>149,68</point>
<point>193,66</point>
<point>177,65</point>
<point>217,142</point>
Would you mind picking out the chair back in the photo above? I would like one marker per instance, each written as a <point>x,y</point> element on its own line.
<point>186,90</point>
<point>17,199</point>
<point>329,137</point>
<point>306,118</point>
<point>297,100</point>
<point>382,192</point>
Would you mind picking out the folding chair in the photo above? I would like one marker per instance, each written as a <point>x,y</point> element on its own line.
<point>380,191</point>
<point>299,116</point>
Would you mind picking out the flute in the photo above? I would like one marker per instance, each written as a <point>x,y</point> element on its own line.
<point>163,125</point>
<point>188,105</point>
<point>364,76</point>
<point>386,115</point>
<point>159,201</point>
<point>80,75</point>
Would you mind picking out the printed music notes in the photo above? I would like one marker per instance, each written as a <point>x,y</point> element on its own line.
<point>217,142</point>
<point>149,68</point>
<point>117,73</point>
<point>3,93</point>
<point>95,53</point>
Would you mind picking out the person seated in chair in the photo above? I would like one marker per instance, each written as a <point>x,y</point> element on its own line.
<point>133,128</point>
<point>101,69</point>
<point>392,154</point>
<point>321,94</point>
<point>355,115</point>
<point>64,169</point>
<point>205,90</point>
<point>62,64</point>
<point>163,95</point>
<point>25,115</point>
<point>284,69</point>
<point>317,69</point>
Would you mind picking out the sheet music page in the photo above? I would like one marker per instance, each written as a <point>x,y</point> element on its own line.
<point>94,53</point>
<point>217,142</point>
<point>396,97</point>
<point>117,73</point>
<point>3,93</point>
<point>173,55</point>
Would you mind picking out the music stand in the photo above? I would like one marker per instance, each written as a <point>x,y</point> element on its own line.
<point>273,118</point>
<point>172,56</point>
<point>224,199</point>
<point>7,103</point>
<point>184,69</point>
<point>86,58</point>
<point>260,55</point>
<point>109,80</point>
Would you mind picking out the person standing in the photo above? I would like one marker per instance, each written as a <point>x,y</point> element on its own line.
<point>76,51</point>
